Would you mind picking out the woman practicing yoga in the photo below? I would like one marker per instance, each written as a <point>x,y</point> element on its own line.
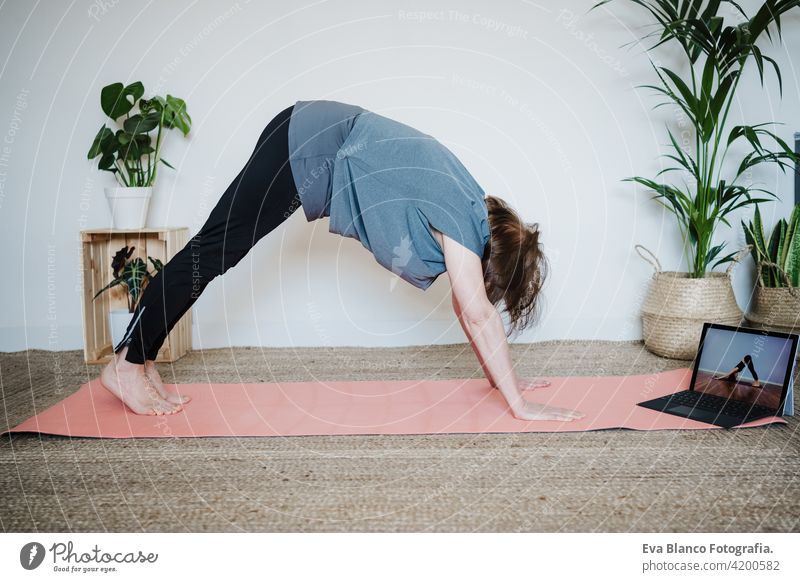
<point>733,374</point>
<point>399,192</point>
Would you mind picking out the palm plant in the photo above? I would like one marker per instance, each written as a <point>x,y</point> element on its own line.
<point>716,54</point>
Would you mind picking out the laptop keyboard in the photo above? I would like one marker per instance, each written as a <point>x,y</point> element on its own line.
<point>714,403</point>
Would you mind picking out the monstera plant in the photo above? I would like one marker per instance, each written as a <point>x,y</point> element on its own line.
<point>716,54</point>
<point>130,152</point>
<point>132,149</point>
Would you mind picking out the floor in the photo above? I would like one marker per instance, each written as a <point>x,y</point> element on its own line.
<point>740,480</point>
<point>764,395</point>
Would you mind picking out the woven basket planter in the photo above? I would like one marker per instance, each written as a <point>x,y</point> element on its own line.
<point>676,306</point>
<point>775,308</point>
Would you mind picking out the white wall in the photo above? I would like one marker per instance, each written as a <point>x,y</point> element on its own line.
<point>537,98</point>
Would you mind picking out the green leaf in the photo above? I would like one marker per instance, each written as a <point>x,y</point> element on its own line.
<point>759,59</point>
<point>758,233</point>
<point>175,114</point>
<point>777,70</point>
<point>683,159</point>
<point>131,273</point>
<point>166,163</point>
<point>741,204</point>
<point>114,283</point>
<point>736,132</point>
<point>107,163</point>
<point>150,105</point>
<point>103,143</point>
<point>791,262</point>
<point>134,275</point>
<point>775,251</point>
<point>157,264</point>
<point>712,253</point>
<point>723,260</point>
<point>136,147</point>
<point>707,82</point>
<point>794,222</point>
<point>775,244</point>
<point>679,203</point>
<point>751,136</point>
<point>683,89</point>
<point>117,100</point>
<point>758,252</point>
<point>748,237</point>
<point>138,124</point>
<point>720,97</point>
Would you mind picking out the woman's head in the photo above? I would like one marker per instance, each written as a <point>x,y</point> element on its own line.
<point>516,267</point>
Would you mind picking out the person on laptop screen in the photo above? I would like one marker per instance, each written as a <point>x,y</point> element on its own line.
<point>737,384</point>
<point>746,361</point>
<point>725,388</point>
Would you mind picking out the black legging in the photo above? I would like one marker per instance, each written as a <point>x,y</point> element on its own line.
<point>747,361</point>
<point>259,199</point>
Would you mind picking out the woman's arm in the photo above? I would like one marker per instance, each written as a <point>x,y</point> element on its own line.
<point>468,333</point>
<point>523,383</point>
<point>484,329</point>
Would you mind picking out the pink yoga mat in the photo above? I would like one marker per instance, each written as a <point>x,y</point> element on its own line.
<point>368,408</point>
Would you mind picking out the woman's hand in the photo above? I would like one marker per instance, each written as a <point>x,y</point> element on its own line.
<point>483,326</point>
<point>532,383</point>
<point>525,410</point>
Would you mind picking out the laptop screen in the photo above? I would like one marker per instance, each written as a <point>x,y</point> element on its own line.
<point>746,365</point>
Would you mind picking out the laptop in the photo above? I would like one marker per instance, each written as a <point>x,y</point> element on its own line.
<point>740,374</point>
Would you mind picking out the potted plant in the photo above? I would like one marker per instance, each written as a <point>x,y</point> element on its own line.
<point>130,152</point>
<point>776,301</point>
<point>704,192</point>
<point>134,276</point>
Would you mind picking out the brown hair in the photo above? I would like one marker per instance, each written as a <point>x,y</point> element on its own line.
<point>516,268</point>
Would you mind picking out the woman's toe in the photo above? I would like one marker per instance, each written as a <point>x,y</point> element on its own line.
<point>178,398</point>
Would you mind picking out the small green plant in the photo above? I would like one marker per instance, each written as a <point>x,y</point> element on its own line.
<point>778,257</point>
<point>716,54</point>
<point>132,273</point>
<point>130,152</point>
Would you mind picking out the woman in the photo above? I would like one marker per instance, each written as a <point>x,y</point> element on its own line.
<point>398,191</point>
<point>747,360</point>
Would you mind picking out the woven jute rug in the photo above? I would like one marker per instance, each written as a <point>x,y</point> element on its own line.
<point>595,481</point>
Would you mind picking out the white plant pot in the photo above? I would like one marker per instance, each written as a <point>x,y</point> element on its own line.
<point>118,320</point>
<point>128,206</point>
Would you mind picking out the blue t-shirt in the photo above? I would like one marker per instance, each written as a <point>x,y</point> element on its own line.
<point>385,184</point>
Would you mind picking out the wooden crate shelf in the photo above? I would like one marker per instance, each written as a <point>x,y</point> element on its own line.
<point>98,247</point>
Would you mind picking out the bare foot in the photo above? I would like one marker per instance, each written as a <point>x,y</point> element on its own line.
<point>525,410</point>
<point>151,372</point>
<point>726,377</point>
<point>531,383</point>
<point>129,383</point>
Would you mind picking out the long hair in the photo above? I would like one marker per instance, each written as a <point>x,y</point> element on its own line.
<point>516,267</point>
